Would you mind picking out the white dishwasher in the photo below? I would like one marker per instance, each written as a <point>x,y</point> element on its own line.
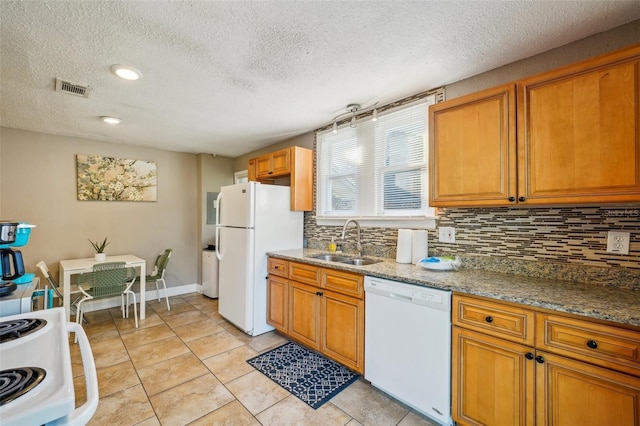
<point>408,344</point>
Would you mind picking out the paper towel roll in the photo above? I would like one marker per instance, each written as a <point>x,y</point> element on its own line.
<point>403,250</point>
<point>419,246</point>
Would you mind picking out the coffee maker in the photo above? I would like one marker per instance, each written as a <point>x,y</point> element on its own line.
<point>13,234</point>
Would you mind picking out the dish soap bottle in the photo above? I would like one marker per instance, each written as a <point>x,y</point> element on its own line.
<point>332,245</point>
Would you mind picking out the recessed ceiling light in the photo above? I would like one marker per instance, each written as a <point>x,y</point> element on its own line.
<point>127,72</point>
<point>111,120</point>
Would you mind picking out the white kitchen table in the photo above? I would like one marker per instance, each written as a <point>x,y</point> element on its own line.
<point>77,266</point>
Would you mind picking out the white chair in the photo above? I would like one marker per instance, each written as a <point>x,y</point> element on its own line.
<point>74,291</point>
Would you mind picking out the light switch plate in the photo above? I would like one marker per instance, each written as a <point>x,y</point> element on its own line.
<point>618,242</point>
<point>447,234</point>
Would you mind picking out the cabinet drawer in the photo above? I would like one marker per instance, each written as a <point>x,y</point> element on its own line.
<point>278,267</point>
<point>303,273</point>
<point>343,282</point>
<point>604,345</point>
<point>494,318</point>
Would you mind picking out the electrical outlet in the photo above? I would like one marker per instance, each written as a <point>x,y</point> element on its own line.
<point>447,234</point>
<point>618,242</point>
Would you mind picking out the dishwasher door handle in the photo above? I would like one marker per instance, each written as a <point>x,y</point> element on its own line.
<point>400,297</point>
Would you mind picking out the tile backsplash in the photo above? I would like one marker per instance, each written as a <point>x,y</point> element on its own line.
<point>566,235</point>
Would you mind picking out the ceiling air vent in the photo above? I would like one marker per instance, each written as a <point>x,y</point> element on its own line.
<point>72,88</point>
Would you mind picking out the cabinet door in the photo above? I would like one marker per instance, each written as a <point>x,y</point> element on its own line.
<point>579,132</point>
<point>343,329</point>
<point>251,170</point>
<point>264,166</point>
<point>277,302</point>
<point>304,314</point>
<point>573,393</point>
<point>493,381</point>
<point>281,162</point>
<point>472,149</point>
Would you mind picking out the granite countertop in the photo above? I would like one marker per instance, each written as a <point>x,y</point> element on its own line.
<point>592,300</point>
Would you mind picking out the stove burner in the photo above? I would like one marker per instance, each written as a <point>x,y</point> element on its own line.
<point>14,329</point>
<point>18,381</point>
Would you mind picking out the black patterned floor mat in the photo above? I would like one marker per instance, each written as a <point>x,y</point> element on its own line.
<point>311,377</point>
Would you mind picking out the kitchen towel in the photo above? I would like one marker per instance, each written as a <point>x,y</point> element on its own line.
<point>403,249</point>
<point>419,246</point>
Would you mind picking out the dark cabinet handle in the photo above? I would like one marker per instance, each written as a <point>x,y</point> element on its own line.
<point>521,199</point>
<point>489,319</point>
<point>528,355</point>
<point>319,293</point>
<point>592,344</point>
<point>270,173</point>
<point>539,359</point>
<point>512,199</point>
<point>276,267</point>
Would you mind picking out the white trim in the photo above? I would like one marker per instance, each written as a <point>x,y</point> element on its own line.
<point>241,176</point>
<point>413,222</point>
<point>112,302</point>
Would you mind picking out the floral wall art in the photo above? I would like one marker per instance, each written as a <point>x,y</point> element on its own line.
<point>116,179</point>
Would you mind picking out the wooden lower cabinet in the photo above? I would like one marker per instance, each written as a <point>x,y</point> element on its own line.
<point>328,322</point>
<point>342,328</point>
<point>304,314</point>
<point>321,308</point>
<point>493,381</point>
<point>575,371</point>
<point>570,392</point>
<point>277,302</point>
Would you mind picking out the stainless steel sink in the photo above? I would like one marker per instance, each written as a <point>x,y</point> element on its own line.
<point>331,257</point>
<point>360,261</point>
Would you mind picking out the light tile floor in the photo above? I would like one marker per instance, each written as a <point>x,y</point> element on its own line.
<point>187,366</point>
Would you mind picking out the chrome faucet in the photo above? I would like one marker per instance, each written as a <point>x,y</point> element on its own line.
<point>358,244</point>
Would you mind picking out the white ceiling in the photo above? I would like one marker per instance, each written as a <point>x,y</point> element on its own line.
<point>229,77</point>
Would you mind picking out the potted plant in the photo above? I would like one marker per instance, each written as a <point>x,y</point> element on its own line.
<point>99,247</point>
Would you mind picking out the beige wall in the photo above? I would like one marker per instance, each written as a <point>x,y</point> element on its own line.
<point>215,173</point>
<point>38,185</point>
<point>597,44</point>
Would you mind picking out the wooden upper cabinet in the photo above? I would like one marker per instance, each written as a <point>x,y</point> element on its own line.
<point>579,132</point>
<point>290,166</point>
<point>276,164</point>
<point>473,149</point>
<point>568,136</point>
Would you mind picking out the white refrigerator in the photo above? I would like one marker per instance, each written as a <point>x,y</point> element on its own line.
<point>252,219</point>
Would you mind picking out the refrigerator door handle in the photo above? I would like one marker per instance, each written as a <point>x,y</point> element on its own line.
<point>218,254</point>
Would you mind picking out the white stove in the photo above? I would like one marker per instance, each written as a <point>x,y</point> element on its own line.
<point>34,349</point>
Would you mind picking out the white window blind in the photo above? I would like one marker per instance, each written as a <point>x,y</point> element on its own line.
<point>378,169</point>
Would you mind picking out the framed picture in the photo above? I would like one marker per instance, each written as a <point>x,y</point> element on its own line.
<point>116,179</point>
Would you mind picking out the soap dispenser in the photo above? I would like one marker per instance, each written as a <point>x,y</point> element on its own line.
<point>332,245</point>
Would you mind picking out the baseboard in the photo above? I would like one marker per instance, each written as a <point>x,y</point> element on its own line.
<point>112,302</point>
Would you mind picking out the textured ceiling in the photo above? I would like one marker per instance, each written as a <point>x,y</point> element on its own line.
<point>229,77</point>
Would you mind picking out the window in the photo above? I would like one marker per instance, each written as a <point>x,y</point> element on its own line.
<point>377,172</point>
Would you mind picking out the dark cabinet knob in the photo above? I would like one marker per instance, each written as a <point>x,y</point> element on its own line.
<point>592,344</point>
<point>276,267</point>
<point>512,199</point>
<point>489,319</point>
<point>528,355</point>
<point>270,173</point>
<point>318,293</point>
<point>521,199</point>
<point>539,359</point>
